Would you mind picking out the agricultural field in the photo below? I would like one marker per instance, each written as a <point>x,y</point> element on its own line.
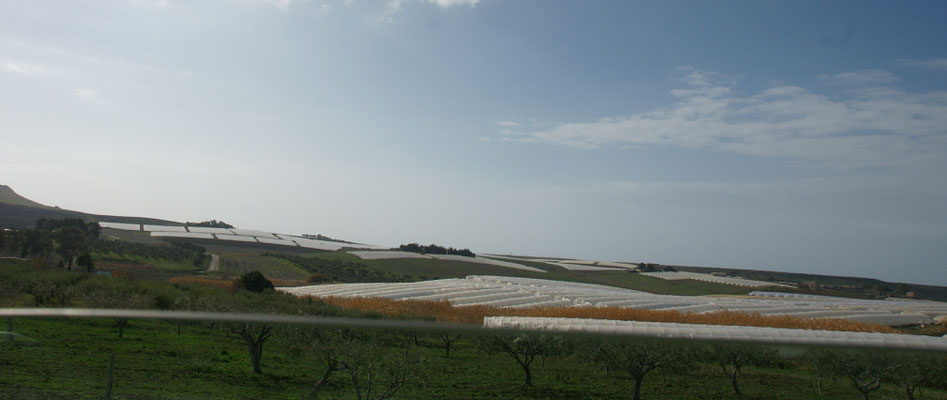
<point>69,358</point>
<point>511,292</point>
<point>270,267</point>
<point>391,255</point>
<point>676,276</point>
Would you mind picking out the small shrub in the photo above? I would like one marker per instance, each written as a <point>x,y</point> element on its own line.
<point>254,281</point>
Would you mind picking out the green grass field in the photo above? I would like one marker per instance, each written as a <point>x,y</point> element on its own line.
<point>271,267</point>
<point>69,359</point>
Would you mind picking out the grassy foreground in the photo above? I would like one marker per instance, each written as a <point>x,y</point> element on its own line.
<point>69,359</point>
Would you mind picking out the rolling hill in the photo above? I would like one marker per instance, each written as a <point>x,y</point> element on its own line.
<point>19,212</point>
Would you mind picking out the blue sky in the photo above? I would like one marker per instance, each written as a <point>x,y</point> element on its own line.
<point>797,136</point>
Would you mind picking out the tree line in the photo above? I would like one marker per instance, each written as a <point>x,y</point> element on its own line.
<point>69,238</point>
<point>435,249</point>
<point>210,224</point>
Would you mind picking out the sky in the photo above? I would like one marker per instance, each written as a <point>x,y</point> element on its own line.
<point>800,136</point>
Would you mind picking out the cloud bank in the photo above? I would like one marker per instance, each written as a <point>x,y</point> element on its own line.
<point>866,123</point>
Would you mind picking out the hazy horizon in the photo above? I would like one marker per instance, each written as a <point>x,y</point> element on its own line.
<point>791,136</point>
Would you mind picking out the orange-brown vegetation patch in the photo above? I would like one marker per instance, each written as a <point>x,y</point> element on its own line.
<point>221,283</point>
<point>287,282</point>
<point>445,312</point>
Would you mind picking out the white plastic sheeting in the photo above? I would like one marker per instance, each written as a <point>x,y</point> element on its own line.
<point>235,238</point>
<point>502,291</point>
<point>183,235</point>
<point>583,267</point>
<point>163,228</point>
<point>483,260</point>
<point>251,232</point>
<point>317,244</point>
<point>722,332</point>
<point>676,275</point>
<point>394,254</point>
<point>240,235</point>
<point>120,226</point>
<point>206,229</point>
<point>384,255</point>
<point>273,240</point>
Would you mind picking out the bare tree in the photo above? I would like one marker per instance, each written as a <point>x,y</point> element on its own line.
<point>525,348</point>
<point>448,339</point>
<point>254,335</point>
<point>863,369</point>
<point>118,296</point>
<point>732,359</point>
<point>378,376</point>
<point>374,372</point>
<point>639,358</point>
<point>913,370</point>
<point>824,363</point>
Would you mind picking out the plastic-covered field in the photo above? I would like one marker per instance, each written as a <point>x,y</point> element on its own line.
<point>582,267</point>
<point>526,292</point>
<point>205,229</point>
<point>273,240</point>
<point>163,228</point>
<point>483,260</point>
<point>722,332</point>
<point>383,255</point>
<point>235,238</point>
<point>184,235</point>
<point>315,244</point>
<point>251,232</point>
<point>675,275</point>
<point>240,235</point>
<point>120,226</point>
<point>573,265</point>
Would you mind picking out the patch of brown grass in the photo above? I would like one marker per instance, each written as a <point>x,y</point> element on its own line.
<point>287,282</point>
<point>445,312</point>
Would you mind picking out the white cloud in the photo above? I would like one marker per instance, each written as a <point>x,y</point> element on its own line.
<point>508,123</point>
<point>88,96</point>
<point>866,77</point>
<point>282,5</point>
<point>23,69</point>
<point>151,3</point>
<point>393,7</point>
<point>869,127</point>
<point>936,64</point>
<point>452,3</point>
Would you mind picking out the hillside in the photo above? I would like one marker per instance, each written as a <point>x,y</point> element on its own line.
<point>19,212</point>
<point>8,196</point>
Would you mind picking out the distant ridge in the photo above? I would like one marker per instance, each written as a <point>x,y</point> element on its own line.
<point>8,196</point>
<point>19,212</point>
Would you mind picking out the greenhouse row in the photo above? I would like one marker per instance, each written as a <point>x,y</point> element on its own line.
<point>514,292</point>
<point>722,332</point>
